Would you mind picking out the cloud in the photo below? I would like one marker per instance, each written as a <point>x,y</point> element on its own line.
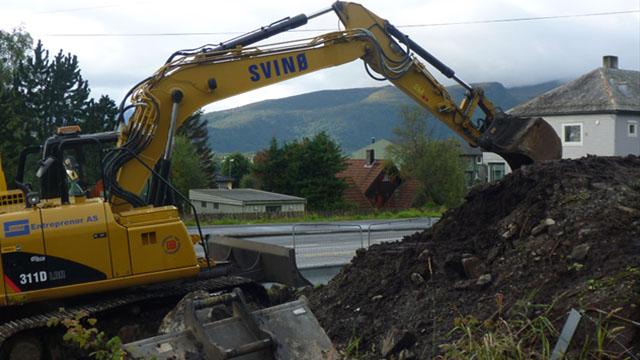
<point>514,53</point>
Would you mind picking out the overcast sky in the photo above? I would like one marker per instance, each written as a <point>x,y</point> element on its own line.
<point>514,53</point>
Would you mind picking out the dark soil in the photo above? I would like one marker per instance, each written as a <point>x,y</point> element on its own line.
<point>587,257</point>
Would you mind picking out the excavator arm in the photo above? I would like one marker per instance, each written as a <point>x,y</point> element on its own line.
<point>191,79</point>
<point>520,141</point>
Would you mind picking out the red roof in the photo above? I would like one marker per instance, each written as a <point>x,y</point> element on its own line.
<point>360,177</point>
<point>405,195</point>
<point>360,174</point>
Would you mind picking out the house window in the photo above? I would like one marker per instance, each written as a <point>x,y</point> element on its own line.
<point>496,171</point>
<point>632,128</point>
<point>204,204</point>
<point>479,159</point>
<point>572,134</point>
<point>273,208</point>
<point>216,206</point>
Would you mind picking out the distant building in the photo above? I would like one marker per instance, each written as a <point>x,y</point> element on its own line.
<point>475,171</point>
<point>495,166</point>
<point>371,185</point>
<point>598,113</point>
<point>224,182</point>
<point>244,201</point>
<point>379,147</point>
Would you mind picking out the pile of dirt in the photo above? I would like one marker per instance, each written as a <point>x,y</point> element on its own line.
<point>565,231</point>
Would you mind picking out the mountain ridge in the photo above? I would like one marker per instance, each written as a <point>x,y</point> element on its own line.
<point>350,116</point>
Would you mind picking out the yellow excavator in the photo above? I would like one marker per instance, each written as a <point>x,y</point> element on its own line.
<point>102,220</point>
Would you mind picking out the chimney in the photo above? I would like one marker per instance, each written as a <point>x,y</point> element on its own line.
<point>610,62</point>
<point>370,157</point>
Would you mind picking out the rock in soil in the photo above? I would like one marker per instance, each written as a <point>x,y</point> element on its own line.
<point>560,199</point>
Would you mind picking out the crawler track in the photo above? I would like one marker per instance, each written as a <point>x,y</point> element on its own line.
<point>111,301</point>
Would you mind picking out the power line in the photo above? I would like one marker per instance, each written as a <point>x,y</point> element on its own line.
<point>54,11</point>
<point>527,18</point>
<point>470,22</point>
<point>77,9</point>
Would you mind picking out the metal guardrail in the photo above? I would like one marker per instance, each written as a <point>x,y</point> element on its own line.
<point>334,252</point>
<point>371,227</point>
<point>325,228</point>
<point>325,254</point>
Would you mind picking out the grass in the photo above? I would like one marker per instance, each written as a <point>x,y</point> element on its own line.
<point>321,217</point>
<point>525,336</point>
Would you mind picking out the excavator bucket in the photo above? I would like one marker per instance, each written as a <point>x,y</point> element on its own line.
<point>521,141</point>
<point>258,261</point>
<point>287,331</point>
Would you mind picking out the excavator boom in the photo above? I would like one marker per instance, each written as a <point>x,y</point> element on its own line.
<point>191,79</point>
<point>121,235</point>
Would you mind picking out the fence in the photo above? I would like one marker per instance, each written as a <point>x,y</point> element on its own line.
<point>327,250</point>
<point>328,245</point>
<point>392,230</point>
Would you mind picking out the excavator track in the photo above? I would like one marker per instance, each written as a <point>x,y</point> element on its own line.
<point>111,302</point>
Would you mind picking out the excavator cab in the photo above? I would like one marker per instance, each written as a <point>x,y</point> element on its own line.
<point>66,166</point>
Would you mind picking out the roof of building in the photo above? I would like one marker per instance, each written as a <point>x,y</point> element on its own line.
<point>352,194</point>
<point>379,149</point>
<point>603,90</point>
<point>249,195</point>
<point>360,177</point>
<point>360,174</point>
<point>405,195</point>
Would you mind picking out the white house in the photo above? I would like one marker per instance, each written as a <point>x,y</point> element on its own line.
<point>598,113</point>
<point>496,166</point>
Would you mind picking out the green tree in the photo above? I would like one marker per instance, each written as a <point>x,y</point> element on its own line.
<point>436,164</point>
<point>305,168</point>
<point>186,170</point>
<point>14,47</point>
<point>100,116</point>
<point>321,160</point>
<point>39,93</point>
<point>53,91</point>
<point>195,129</point>
<point>249,181</point>
<point>268,168</point>
<point>236,166</point>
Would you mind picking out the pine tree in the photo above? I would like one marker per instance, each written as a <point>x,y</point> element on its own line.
<point>100,116</point>
<point>195,129</point>
<point>54,92</point>
<point>13,50</point>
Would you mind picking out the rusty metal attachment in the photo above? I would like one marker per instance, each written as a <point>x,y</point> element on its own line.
<point>286,331</point>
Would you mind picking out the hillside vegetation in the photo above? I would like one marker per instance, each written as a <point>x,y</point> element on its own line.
<point>350,116</point>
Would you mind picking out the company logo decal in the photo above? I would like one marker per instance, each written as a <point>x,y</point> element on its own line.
<point>16,228</point>
<point>278,67</point>
<point>171,244</point>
